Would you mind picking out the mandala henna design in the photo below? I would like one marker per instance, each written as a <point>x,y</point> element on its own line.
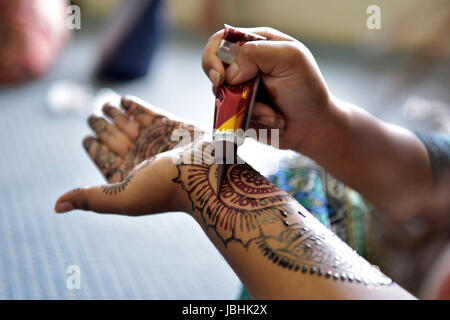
<point>250,208</point>
<point>235,215</point>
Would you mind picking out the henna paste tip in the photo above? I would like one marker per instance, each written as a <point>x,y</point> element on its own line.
<point>87,142</point>
<point>221,169</point>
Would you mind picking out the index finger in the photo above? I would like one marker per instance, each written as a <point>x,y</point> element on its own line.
<point>210,60</point>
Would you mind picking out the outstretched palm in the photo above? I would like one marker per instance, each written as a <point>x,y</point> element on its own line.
<point>136,133</point>
<point>137,155</point>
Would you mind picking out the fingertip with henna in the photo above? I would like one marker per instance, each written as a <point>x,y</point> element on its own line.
<point>126,102</point>
<point>214,77</point>
<point>109,110</point>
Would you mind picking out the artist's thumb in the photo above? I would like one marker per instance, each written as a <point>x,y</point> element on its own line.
<point>101,199</point>
<point>276,58</point>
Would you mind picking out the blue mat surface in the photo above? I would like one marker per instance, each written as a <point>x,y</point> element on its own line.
<point>154,257</point>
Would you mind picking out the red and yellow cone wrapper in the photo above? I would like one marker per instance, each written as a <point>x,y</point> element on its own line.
<point>234,103</point>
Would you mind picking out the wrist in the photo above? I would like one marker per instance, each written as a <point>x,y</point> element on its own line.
<point>192,163</point>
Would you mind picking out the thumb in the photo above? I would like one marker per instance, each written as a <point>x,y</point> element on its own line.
<point>147,189</point>
<point>96,199</point>
<point>275,58</point>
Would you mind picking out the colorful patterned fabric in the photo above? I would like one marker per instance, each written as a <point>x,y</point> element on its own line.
<point>334,204</point>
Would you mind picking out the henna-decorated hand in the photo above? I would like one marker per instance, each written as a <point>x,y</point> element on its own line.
<point>126,149</point>
<point>278,249</point>
<point>135,134</point>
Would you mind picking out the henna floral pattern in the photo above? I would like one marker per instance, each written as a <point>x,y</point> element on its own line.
<point>249,209</point>
<point>301,248</point>
<point>235,215</point>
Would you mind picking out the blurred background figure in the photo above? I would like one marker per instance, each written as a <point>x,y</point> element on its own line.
<point>32,33</point>
<point>133,35</point>
<point>399,73</point>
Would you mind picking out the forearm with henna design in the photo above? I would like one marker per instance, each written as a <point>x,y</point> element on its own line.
<point>257,215</point>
